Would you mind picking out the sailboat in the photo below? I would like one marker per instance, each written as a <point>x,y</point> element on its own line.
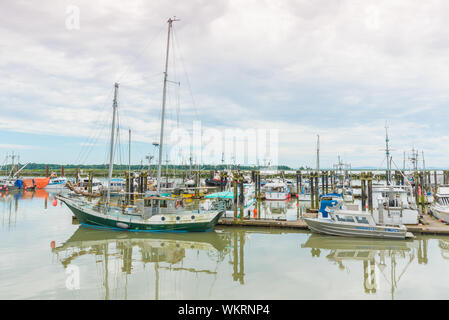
<point>153,213</point>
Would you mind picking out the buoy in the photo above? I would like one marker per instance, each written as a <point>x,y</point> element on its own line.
<point>55,202</point>
<point>52,244</point>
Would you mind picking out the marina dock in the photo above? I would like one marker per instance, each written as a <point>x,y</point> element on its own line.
<point>430,225</point>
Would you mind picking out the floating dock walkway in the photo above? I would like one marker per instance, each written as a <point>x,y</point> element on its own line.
<point>429,224</point>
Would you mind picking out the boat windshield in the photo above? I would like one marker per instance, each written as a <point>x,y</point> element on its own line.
<point>363,220</point>
<point>343,218</point>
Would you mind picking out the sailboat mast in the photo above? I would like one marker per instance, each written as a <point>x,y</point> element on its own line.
<point>423,162</point>
<point>387,150</point>
<point>318,154</point>
<point>129,161</point>
<point>164,95</point>
<point>111,151</point>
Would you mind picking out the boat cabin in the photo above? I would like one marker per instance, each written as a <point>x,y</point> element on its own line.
<point>276,187</point>
<point>349,216</point>
<point>84,183</point>
<point>150,206</point>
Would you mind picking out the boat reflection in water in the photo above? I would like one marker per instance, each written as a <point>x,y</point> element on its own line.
<point>10,202</point>
<point>175,254</point>
<point>278,210</point>
<point>383,260</point>
<point>444,246</point>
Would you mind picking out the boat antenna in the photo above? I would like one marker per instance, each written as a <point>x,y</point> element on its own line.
<point>164,95</point>
<point>111,152</point>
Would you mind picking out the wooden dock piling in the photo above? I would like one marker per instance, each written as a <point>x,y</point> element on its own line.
<point>363,187</point>
<point>235,197</point>
<point>312,190</point>
<point>369,178</point>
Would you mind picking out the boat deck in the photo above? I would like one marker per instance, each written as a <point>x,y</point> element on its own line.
<point>135,217</point>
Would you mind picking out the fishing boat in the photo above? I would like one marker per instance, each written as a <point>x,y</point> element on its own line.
<point>228,201</point>
<point>440,207</point>
<point>276,190</point>
<point>117,185</point>
<point>9,184</point>
<point>216,180</point>
<point>153,213</point>
<point>83,185</point>
<point>12,182</point>
<point>56,182</point>
<point>304,191</point>
<point>393,205</point>
<point>348,195</point>
<point>333,219</point>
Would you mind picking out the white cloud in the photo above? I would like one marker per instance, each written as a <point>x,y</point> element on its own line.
<point>17,146</point>
<point>337,68</point>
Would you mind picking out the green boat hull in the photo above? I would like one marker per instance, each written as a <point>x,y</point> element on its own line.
<point>111,223</point>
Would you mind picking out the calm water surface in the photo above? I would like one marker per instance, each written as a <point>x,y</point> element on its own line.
<point>46,256</point>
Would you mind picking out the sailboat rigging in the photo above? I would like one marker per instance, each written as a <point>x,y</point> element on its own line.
<point>153,212</point>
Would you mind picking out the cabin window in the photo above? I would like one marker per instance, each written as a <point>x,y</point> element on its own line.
<point>345,218</point>
<point>394,203</point>
<point>163,203</point>
<point>362,220</point>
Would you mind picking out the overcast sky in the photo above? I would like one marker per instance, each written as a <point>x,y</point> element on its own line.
<point>340,69</point>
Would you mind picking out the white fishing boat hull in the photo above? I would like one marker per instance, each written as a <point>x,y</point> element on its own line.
<point>440,212</point>
<point>326,226</point>
<point>56,183</point>
<point>278,196</point>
